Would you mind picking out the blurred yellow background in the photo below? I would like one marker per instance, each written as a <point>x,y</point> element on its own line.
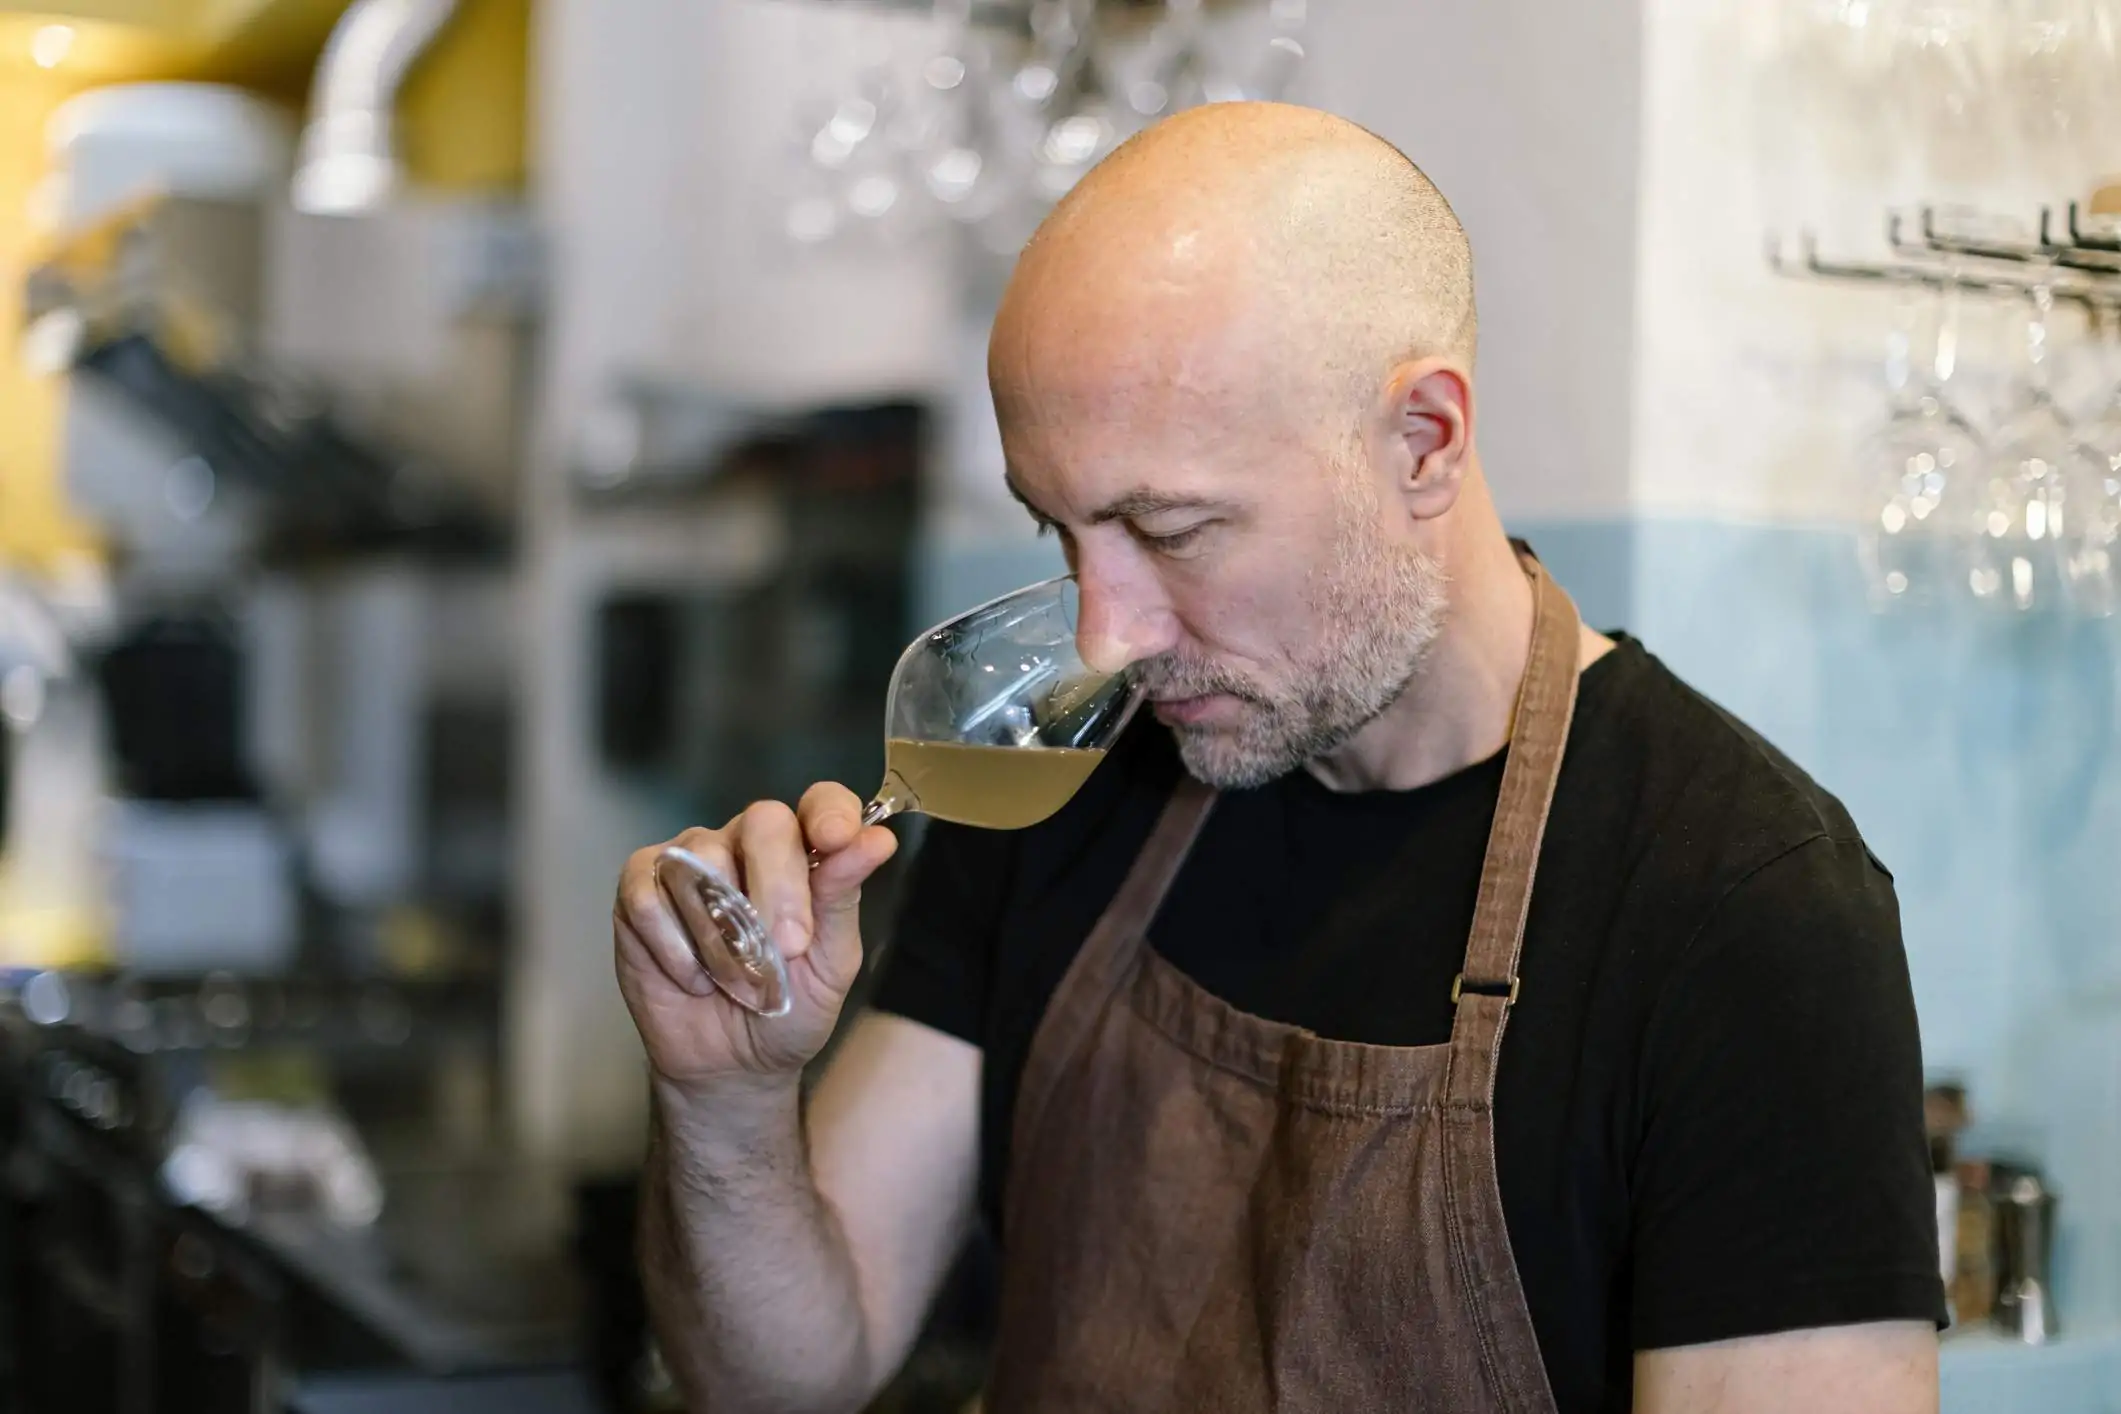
<point>464,115</point>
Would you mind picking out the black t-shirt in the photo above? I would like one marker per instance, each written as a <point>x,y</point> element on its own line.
<point>1708,1109</point>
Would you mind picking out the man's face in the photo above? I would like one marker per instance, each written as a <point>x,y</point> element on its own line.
<point>1267,584</point>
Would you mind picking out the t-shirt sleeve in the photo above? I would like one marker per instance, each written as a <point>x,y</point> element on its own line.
<point>1782,1181</point>
<point>937,965</point>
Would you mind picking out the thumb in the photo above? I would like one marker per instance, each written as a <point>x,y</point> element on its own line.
<point>836,897</point>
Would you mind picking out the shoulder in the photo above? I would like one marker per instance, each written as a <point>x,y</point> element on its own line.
<point>1682,831</point>
<point>1707,796</point>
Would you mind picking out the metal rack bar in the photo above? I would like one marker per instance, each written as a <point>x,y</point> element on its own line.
<point>1938,260</point>
<point>2103,241</point>
<point>2075,255</point>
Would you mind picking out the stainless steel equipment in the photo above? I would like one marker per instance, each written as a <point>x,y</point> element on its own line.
<point>2025,1234</point>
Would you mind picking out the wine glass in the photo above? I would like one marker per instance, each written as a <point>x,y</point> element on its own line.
<point>2021,518</point>
<point>993,719</point>
<point>1926,457</point>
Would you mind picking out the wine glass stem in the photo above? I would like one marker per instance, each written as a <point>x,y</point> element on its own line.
<point>1946,360</point>
<point>2037,328</point>
<point>1899,346</point>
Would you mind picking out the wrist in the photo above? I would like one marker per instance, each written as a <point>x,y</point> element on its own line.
<point>737,1109</point>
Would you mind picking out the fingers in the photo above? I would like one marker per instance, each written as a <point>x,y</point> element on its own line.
<point>765,852</point>
<point>641,914</point>
<point>768,840</point>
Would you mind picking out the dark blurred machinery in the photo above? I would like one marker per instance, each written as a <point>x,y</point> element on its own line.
<point>117,1294</point>
<point>725,693</point>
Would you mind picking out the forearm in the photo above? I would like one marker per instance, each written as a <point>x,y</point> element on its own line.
<point>751,1285</point>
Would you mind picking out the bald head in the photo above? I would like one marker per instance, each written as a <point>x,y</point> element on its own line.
<point>1297,248</point>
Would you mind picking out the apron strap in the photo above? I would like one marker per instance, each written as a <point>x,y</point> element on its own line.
<point>1546,703</point>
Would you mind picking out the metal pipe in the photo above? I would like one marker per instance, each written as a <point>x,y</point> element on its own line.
<point>349,160</point>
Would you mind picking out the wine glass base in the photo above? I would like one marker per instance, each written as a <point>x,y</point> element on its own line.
<point>728,936</point>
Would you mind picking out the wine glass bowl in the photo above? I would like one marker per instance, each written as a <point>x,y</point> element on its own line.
<point>993,720</point>
<point>994,713</point>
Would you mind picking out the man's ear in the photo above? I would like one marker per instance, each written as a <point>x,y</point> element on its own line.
<point>1430,418</point>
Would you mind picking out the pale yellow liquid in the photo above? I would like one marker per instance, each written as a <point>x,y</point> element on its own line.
<point>994,787</point>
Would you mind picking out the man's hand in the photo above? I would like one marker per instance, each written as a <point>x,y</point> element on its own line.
<point>697,1039</point>
<point>1888,1367</point>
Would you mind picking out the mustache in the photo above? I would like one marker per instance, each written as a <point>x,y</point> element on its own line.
<point>1170,676</point>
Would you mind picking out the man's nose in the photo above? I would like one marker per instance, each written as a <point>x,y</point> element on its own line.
<point>1115,627</point>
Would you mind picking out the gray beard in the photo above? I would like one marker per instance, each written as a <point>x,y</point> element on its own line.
<point>1379,611</point>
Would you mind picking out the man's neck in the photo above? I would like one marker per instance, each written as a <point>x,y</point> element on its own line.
<point>1457,709</point>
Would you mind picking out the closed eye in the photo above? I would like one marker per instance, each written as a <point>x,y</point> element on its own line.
<point>1174,542</point>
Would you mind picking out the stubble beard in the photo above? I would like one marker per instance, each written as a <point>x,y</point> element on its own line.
<point>1379,608</point>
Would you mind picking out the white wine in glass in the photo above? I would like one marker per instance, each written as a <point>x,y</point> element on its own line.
<point>995,787</point>
<point>993,720</point>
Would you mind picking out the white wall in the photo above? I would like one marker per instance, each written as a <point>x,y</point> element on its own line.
<point>1526,114</point>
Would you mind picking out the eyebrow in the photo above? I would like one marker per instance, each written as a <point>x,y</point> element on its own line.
<point>1128,505</point>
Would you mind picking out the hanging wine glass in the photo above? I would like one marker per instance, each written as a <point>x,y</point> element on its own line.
<point>2025,538</point>
<point>1088,120</point>
<point>1171,78</point>
<point>851,179</point>
<point>996,123</point>
<point>2021,523</point>
<point>1927,457</point>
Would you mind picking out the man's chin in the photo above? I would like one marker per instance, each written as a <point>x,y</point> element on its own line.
<point>1213,757</point>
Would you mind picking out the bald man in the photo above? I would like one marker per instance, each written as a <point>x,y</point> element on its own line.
<point>1277,1079</point>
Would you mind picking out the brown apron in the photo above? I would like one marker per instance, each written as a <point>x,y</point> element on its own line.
<point>1207,1210</point>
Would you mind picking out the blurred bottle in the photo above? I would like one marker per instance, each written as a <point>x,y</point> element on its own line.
<point>2024,1209</point>
<point>1973,1286</point>
<point>1944,1115</point>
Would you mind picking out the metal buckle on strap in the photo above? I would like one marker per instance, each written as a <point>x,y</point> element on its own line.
<point>1460,985</point>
